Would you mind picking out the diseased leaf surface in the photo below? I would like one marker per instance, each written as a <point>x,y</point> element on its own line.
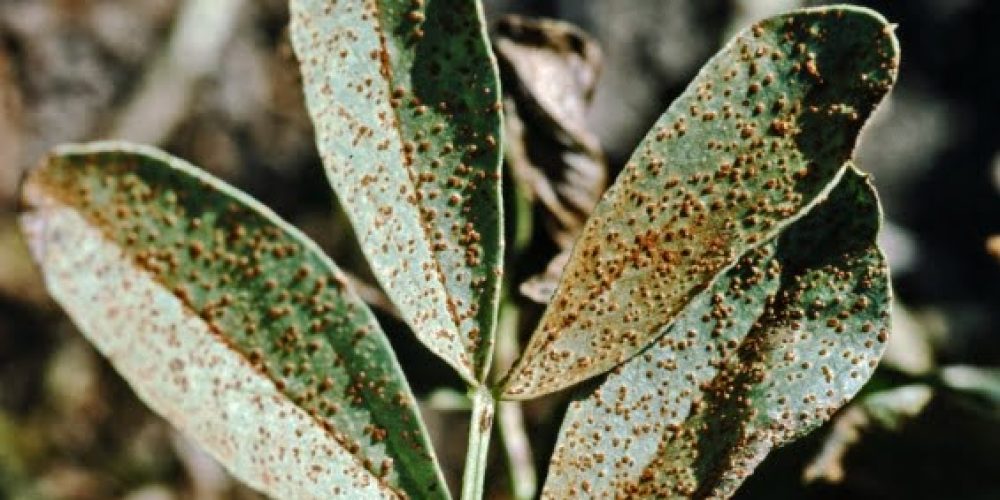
<point>405,99</point>
<point>760,134</point>
<point>780,342</point>
<point>228,322</point>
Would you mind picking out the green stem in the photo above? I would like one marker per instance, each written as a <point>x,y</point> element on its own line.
<point>480,428</point>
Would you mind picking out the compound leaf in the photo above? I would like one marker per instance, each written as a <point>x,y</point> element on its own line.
<point>777,345</point>
<point>405,99</point>
<point>759,136</point>
<point>228,322</point>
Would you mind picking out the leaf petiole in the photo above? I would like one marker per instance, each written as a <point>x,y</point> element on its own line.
<point>480,427</point>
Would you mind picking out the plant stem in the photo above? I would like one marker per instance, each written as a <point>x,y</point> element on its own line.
<point>480,427</point>
<point>510,420</point>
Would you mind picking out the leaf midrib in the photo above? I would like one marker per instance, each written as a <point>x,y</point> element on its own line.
<point>386,67</point>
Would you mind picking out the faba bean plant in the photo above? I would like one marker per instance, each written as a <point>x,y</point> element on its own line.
<point>726,295</point>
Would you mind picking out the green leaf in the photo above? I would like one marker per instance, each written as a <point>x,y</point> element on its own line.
<point>405,98</point>
<point>780,342</point>
<point>228,322</point>
<point>760,134</point>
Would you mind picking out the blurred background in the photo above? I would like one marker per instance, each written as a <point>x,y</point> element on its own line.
<point>215,82</point>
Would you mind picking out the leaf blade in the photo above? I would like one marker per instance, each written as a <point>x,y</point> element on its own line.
<point>817,325</point>
<point>228,322</point>
<point>757,138</point>
<point>405,98</point>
